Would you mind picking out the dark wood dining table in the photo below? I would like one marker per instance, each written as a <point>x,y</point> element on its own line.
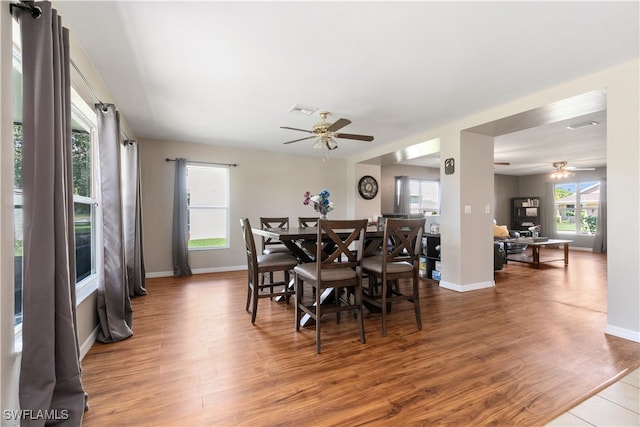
<point>303,241</point>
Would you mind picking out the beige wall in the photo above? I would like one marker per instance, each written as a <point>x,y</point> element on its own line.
<point>263,184</point>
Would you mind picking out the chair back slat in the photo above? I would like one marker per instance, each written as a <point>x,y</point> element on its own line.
<point>405,236</point>
<point>273,222</point>
<point>308,221</point>
<point>250,243</point>
<point>335,252</point>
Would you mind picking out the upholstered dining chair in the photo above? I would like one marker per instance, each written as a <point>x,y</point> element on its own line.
<point>339,268</point>
<point>258,264</point>
<point>399,259</point>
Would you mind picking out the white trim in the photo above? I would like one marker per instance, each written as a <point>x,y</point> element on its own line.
<point>88,343</point>
<point>627,334</point>
<point>156,274</point>
<point>467,288</point>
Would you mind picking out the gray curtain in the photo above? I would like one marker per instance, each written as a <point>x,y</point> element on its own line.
<point>114,306</point>
<point>402,195</point>
<point>549,212</point>
<point>180,237</point>
<point>132,219</point>
<point>50,372</point>
<point>600,241</point>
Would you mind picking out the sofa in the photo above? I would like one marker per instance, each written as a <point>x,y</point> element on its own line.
<point>503,235</point>
<point>499,256</point>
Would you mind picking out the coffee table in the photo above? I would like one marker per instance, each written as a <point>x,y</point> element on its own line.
<point>536,244</point>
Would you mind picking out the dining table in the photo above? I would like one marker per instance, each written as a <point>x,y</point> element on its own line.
<point>303,241</point>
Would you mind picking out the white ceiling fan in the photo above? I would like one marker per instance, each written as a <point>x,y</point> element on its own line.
<point>564,171</point>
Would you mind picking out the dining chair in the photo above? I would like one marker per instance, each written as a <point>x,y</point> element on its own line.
<point>339,268</point>
<point>308,221</point>
<point>261,264</point>
<point>399,259</point>
<point>270,246</point>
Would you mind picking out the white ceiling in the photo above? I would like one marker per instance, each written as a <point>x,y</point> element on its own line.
<point>226,73</point>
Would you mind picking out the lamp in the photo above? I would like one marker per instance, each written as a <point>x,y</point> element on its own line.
<point>560,171</point>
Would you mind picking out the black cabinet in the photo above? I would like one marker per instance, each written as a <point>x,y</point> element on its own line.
<point>431,251</point>
<point>525,213</point>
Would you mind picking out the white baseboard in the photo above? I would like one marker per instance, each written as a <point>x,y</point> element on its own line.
<point>627,334</point>
<point>197,271</point>
<point>86,345</point>
<point>466,288</point>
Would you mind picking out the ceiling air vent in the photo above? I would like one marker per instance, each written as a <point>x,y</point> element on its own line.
<point>303,109</point>
<point>582,125</point>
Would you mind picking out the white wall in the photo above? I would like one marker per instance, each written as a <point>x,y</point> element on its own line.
<point>263,184</point>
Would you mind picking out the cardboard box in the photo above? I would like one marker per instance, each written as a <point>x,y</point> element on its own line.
<point>435,275</point>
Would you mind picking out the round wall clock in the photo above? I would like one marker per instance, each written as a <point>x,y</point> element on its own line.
<point>368,187</point>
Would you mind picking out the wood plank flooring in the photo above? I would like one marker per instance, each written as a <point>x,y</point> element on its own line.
<point>519,354</point>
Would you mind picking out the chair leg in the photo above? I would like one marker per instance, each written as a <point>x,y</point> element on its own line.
<point>254,310</point>
<point>383,305</point>
<point>358,300</point>
<point>317,319</point>
<point>298,300</point>
<point>416,302</point>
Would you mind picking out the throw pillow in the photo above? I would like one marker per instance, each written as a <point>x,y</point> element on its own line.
<point>500,231</point>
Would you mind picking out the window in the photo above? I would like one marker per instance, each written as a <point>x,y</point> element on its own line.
<point>425,196</point>
<point>577,207</point>
<point>83,139</point>
<point>208,204</point>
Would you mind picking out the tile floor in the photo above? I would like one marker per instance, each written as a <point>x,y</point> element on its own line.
<point>617,405</point>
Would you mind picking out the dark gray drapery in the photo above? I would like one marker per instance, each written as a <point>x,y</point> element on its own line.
<point>600,241</point>
<point>132,219</point>
<point>548,225</point>
<point>180,235</point>
<point>114,306</point>
<point>402,195</point>
<point>50,372</point>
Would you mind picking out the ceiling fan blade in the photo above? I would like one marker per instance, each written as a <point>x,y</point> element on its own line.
<point>301,130</point>
<point>338,124</point>
<point>573,168</point>
<point>352,136</point>
<point>301,139</point>
<point>502,163</point>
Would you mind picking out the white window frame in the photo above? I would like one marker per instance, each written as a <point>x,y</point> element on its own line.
<point>578,207</point>
<point>224,207</point>
<point>422,209</point>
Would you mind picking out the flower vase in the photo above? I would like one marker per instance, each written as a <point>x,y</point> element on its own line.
<point>323,216</point>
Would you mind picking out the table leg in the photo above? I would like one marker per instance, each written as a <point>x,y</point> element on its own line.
<point>535,251</point>
<point>566,254</point>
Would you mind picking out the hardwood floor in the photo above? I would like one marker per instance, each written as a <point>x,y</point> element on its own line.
<point>521,353</point>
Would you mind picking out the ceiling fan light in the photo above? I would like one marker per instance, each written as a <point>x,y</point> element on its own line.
<point>318,144</point>
<point>331,144</point>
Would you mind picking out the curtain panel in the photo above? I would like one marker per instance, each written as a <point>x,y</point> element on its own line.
<point>402,196</point>
<point>114,305</point>
<point>50,372</point>
<point>600,240</point>
<point>132,219</point>
<point>180,235</point>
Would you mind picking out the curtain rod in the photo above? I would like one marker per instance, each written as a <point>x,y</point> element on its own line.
<point>30,6</point>
<point>206,163</point>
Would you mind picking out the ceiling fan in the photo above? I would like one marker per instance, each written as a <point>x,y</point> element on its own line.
<point>326,133</point>
<point>564,171</point>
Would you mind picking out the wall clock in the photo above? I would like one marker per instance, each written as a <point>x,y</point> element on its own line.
<point>368,187</point>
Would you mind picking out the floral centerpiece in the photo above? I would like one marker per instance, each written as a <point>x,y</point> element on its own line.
<point>320,202</point>
<point>535,230</point>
